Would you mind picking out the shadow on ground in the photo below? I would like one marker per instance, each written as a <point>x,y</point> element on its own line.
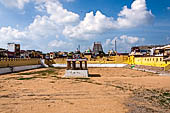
<point>94,75</point>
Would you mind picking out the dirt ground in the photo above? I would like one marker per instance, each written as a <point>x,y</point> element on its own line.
<point>107,90</point>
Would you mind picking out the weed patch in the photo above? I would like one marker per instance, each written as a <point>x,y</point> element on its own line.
<point>44,72</point>
<point>158,97</point>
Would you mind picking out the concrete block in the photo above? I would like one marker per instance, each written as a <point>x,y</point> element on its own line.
<point>22,68</point>
<point>5,70</point>
<point>76,73</point>
<point>18,68</point>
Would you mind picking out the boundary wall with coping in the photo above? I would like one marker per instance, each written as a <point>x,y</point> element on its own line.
<point>12,62</point>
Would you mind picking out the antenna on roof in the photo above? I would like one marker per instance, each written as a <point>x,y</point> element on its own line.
<point>78,48</point>
<point>115,46</point>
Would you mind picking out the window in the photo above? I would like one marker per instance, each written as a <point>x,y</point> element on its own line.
<point>160,59</point>
<point>156,59</point>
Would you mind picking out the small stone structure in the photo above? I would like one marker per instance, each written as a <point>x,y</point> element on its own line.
<point>73,71</point>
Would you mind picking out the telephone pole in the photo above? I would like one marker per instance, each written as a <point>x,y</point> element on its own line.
<point>115,46</point>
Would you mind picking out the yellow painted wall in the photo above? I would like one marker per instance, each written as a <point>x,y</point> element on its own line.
<point>87,56</point>
<point>166,68</point>
<point>118,59</point>
<point>18,62</point>
<point>99,60</point>
<point>148,61</point>
<point>60,60</point>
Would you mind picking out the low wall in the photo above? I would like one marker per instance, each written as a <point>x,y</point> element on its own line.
<point>107,65</point>
<point>105,60</point>
<point>93,65</point>
<point>12,62</point>
<point>18,68</point>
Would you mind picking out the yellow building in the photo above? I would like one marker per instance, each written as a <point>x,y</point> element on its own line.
<point>157,61</point>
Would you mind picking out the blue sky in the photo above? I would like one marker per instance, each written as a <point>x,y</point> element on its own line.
<point>53,25</point>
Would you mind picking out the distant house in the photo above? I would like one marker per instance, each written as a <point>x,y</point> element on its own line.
<point>34,54</point>
<point>60,54</point>
<point>112,53</point>
<point>152,50</point>
<point>52,55</point>
<point>24,54</point>
<point>3,53</point>
<point>162,51</point>
<point>144,50</point>
<point>13,50</point>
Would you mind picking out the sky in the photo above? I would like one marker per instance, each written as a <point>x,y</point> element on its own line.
<point>62,25</point>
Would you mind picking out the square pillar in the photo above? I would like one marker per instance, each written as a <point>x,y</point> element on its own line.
<point>73,65</point>
<point>68,65</point>
<point>85,65</point>
<point>81,67</point>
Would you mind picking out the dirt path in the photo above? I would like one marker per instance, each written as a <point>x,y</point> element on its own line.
<point>108,90</point>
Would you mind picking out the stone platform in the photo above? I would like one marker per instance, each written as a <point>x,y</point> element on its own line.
<point>76,73</point>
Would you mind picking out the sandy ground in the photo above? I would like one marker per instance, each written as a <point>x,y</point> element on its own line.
<point>107,90</point>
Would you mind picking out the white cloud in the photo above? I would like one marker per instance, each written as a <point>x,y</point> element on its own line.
<point>89,26</point>
<point>58,44</point>
<point>124,39</point>
<point>57,36</point>
<point>11,33</point>
<point>50,27</point>
<point>42,27</point>
<point>40,7</point>
<point>8,34</point>
<point>69,0</point>
<point>168,8</point>
<point>124,42</point>
<point>14,3</point>
<point>127,39</point>
<point>57,13</point>
<point>137,15</point>
<point>48,30</point>
<point>92,24</point>
<point>60,15</point>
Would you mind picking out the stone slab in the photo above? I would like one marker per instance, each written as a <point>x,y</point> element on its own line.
<point>76,73</point>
